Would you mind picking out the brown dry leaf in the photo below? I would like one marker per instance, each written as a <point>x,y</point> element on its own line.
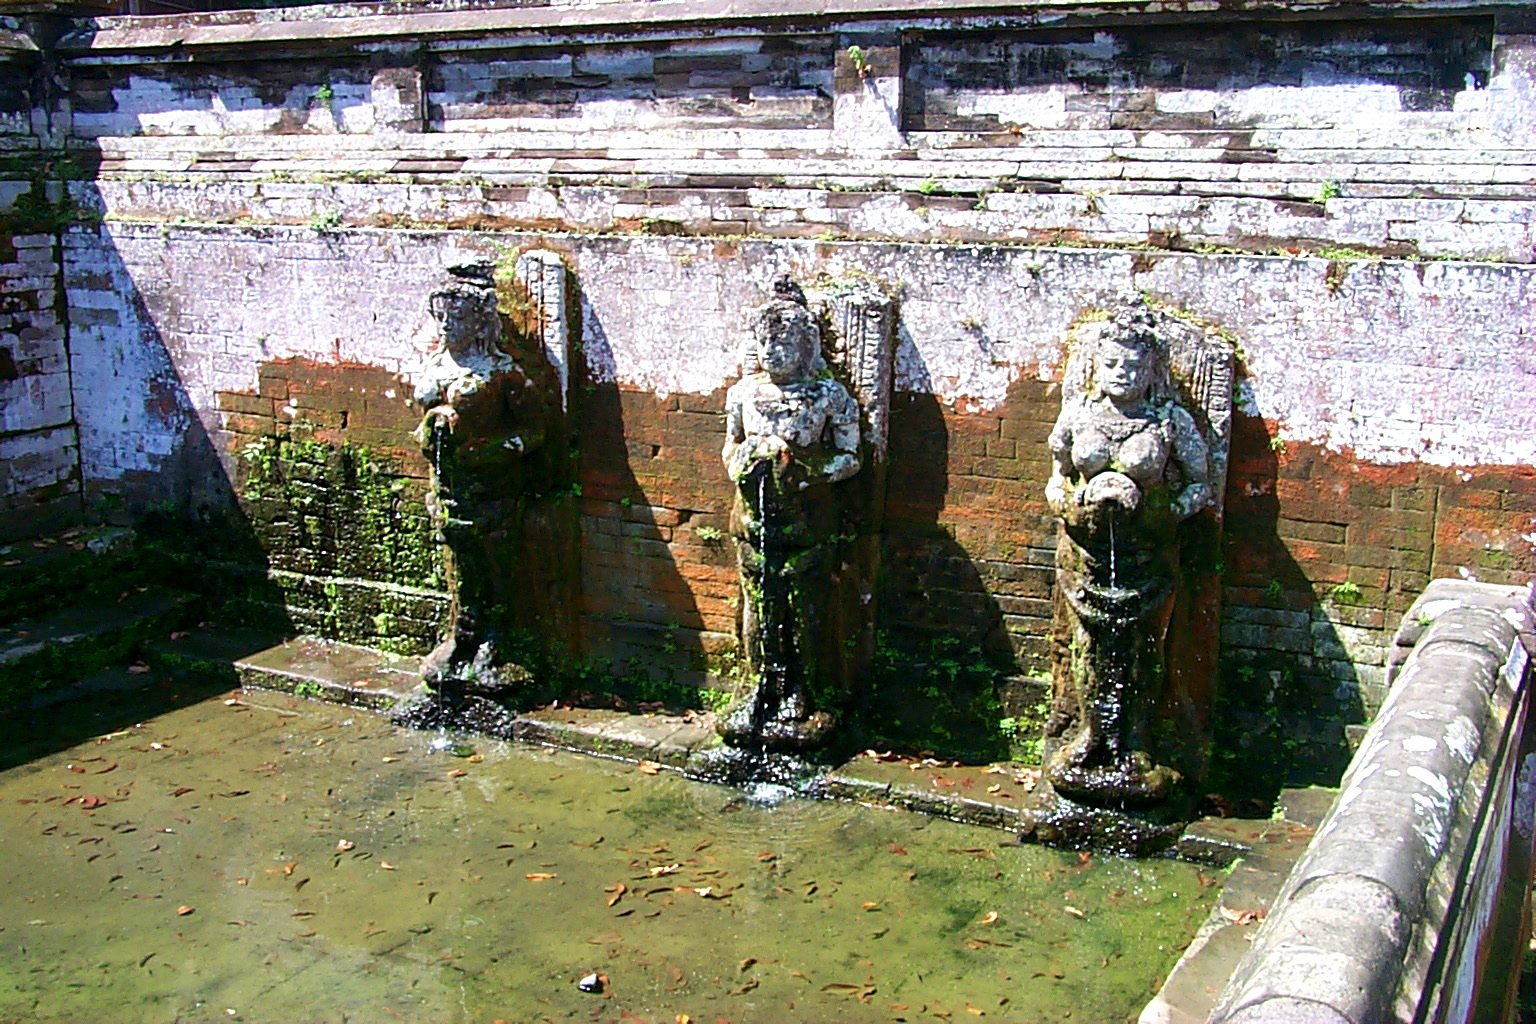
<point>539,876</point>
<point>664,869</point>
<point>990,918</point>
<point>1242,918</point>
<point>457,773</point>
<point>649,767</point>
<point>616,892</point>
<point>390,760</point>
<point>974,1011</point>
<point>897,850</point>
<point>183,910</point>
<point>869,906</point>
<point>344,845</point>
<point>1074,912</point>
<point>995,789</point>
<point>288,868</point>
<point>748,962</point>
<point>475,758</point>
<point>90,803</point>
<point>385,865</point>
<point>765,857</point>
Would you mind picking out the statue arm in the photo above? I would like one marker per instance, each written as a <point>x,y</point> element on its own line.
<point>1058,489</point>
<point>844,429</point>
<point>1194,461</point>
<point>736,454</point>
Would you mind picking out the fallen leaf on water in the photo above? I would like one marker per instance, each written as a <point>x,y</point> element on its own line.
<point>180,634</point>
<point>457,773</point>
<point>1074,912</point>
<point>649,767</point>
<point>390,760</point>
<point>748,962</point>
<point>183,910</point>
<point>664,869</point>
<point>870,905</point>
<point>897,850</point>
<point>765,857</point>
<point>975,851</point>
<point>344,845</point>
<point>475,758</point>
<point>539,876</point>
<point>90,803</point>
<point>991,917</point>
<point>995,789</point>
<point>288,868</point>
<point>386,865</point>
<point>744,987</point>
<point>607,939</point>
<point>138,668</point>
<point>616,892</point>
<point>973,1011</point>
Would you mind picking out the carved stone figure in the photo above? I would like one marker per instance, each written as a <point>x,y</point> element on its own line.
<point>792,435</point>
<point>483,423</point>
<point>1131,463</point>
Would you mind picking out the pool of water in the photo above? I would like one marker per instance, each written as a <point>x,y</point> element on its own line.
<point>272,859</point>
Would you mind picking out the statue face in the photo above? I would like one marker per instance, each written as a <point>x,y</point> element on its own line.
<point>786,348</point>
<point>1124,372</point>
<point>460,318</point>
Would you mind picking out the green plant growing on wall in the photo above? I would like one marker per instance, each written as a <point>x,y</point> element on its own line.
<point>1346,594</point>
<point>1273,590</point>
<point>1277,445</point>
<point>928,186</point>
<point>1327,190</point>
<point>709,534</point>
<point>715,701</point>
<point>325,93</point>
<point>325,222</point>
<point>860,62</point>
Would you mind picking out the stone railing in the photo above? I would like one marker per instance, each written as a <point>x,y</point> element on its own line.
<point>1411,902</point>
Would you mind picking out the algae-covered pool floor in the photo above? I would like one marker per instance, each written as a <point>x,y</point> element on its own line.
<point>261,858</point>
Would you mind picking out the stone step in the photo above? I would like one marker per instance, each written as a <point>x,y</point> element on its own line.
<point>39,655</point>
<point>1260,854</point>
<point>48,572</point>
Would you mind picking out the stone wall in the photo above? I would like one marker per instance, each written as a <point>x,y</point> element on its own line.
<point>39,456</point>
<point>1352,200</point>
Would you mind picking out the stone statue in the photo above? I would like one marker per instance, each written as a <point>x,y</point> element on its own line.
<point>1131,463</point>
<point>483,423</point>
<point>792,435</point>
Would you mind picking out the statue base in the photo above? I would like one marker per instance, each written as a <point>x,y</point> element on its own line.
<point>428,709</point>
<point>741,768</point>
<point>1056,820</point>
<point>752,728</point>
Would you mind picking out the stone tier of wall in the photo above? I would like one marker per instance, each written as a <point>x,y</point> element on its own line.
<point>1409,136</point>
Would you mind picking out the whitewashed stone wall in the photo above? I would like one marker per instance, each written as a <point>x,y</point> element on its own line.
<point>1362,367</point>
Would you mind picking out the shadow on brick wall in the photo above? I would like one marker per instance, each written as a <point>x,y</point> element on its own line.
<point>1289,690</point>
<point>942,648</point>
<point>658,569</point>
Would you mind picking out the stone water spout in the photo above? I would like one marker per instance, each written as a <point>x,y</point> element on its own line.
<point>797,445</point>
<point>1138,466</point>
<point>486,420</point>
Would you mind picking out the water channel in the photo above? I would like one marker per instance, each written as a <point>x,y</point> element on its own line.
<point>255,857</point>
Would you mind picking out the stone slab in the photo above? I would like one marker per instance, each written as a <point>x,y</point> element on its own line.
<point>327,669</point>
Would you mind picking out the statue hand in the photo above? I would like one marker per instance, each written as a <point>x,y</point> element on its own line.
<point>444,418</point>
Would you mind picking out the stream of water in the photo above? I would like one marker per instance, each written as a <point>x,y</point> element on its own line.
<point>269,859</point>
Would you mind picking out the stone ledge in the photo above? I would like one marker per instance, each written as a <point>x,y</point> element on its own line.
<point>336,23</point>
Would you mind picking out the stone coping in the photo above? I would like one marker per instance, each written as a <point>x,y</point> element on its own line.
<point>1339,946</point>
<point>404,21</point>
